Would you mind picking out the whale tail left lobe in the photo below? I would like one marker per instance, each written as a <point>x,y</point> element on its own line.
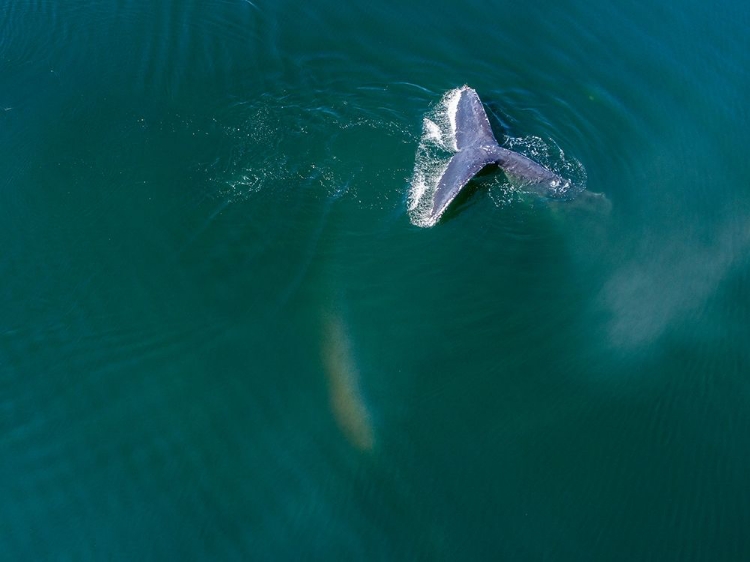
<point>463,166</point>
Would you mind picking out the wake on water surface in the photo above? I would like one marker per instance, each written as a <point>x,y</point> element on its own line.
<point>438,144</point>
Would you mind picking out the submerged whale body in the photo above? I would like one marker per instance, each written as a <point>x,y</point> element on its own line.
<point>476,148</point>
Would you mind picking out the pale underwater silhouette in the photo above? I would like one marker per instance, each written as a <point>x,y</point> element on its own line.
<point>347,403</point>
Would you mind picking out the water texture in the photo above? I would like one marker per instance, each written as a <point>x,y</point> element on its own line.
<point>224,334</point>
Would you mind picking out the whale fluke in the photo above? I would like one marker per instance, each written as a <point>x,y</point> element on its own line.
<point>476,148</point>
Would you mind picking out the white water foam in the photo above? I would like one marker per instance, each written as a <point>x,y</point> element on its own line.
<point>438,143</point>
<point>436,146</point>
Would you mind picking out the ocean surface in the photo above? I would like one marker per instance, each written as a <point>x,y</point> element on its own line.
<point>227,334</point>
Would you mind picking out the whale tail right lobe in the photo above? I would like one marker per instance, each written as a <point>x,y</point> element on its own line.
<point>539,178</point>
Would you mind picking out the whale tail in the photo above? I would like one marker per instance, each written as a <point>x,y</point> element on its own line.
<point>477,148</point>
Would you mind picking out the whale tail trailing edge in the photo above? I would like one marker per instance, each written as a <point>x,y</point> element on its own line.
<point>477,148</point>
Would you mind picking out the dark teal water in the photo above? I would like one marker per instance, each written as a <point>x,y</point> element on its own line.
<point>222,337</point>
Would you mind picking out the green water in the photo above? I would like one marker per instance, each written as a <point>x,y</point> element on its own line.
<point>222,337</point>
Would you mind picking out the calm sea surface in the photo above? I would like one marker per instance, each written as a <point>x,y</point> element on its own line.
<point>223,335</point>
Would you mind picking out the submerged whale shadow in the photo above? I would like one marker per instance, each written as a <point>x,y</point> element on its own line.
<point>466,197</point>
